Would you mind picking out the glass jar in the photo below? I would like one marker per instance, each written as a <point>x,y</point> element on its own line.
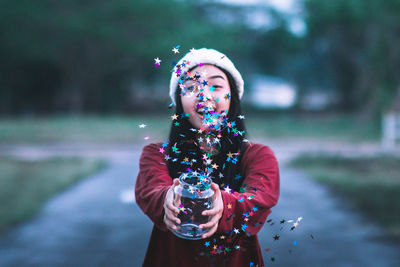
<point>192,196</point>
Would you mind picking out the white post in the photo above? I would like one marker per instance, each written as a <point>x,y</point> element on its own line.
<point>389,129</point>
<point>397,127</point>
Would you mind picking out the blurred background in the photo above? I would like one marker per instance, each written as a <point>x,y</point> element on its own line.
<point>77,78</point>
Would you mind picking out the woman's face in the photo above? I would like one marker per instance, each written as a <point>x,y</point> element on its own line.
<point>205,96</point>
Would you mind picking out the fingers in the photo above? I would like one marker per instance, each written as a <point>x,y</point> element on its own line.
<point>172,216</point>
<point>170,210</point>
<point>212,212</point>
<point>218,202</point>
<point>214,221</point>
<point>168,204</point>
<point>215,187</point>
<point>175,182</point>
<point>169,223</point>
<point>169,198</point>
<point>211,232</point>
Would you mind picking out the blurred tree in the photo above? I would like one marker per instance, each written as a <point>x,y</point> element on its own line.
<point>72,55</point>
<point>359,40</point>
<point>351,46</point>
<point>279,52</point>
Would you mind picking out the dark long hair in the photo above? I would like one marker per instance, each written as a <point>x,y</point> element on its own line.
<point>183,138</point>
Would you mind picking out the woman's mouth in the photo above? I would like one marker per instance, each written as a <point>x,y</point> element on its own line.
<point>200,112</point>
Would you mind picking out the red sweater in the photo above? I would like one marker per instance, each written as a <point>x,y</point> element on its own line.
<point>235,243</point>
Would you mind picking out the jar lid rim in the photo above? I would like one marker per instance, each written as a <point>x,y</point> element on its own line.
<point>204,180</point>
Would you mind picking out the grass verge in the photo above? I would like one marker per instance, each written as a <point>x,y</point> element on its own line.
<point>372,184</point>
<point>84,129</point>
<point>328,127</point>
<point>125,129</point>
<point>26,185</point>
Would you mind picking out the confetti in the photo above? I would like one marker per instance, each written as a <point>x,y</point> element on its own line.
<point>157,62</point>
<point>227,189</point>
<point>209,137</point>
<point>176,49</point>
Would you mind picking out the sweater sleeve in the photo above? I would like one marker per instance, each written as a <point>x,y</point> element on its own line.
<point>152,184</point>
<point>247,211</point>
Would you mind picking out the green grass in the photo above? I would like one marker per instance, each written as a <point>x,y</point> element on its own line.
<point>125,129</point>
<point>335,127</point>
<point>372,184</point>
<point>83,129</point>
<point>26,185</point>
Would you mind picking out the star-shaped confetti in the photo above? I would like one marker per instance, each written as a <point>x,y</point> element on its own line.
<point>176,49</point>
<point>227,189</point>
<point>157,62</point>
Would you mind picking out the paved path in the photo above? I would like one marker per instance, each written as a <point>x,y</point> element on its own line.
<point>91,224</point>
<point>94,223</point>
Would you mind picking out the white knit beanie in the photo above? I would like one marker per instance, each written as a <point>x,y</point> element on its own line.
<point>205,56</point>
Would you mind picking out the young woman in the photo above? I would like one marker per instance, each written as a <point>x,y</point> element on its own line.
<point>208,136</point>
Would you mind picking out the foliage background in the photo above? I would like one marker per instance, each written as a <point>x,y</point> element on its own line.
<point>97,56</point>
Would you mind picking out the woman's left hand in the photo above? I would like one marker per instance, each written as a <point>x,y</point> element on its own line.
<point>215,212</point>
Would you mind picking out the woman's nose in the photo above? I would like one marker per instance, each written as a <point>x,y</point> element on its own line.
<point>206,100</point>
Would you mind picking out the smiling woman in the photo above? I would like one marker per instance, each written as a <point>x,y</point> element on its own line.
<point>196,104</point>
<point>206,142</point>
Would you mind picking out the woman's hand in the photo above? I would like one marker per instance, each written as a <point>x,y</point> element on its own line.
<point>170,211</point>
<point>215,212</point>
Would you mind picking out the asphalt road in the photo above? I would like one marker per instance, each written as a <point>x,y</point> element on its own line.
<point>97,223</point>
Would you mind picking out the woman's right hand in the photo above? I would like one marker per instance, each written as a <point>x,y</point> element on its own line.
<point>170,211</point>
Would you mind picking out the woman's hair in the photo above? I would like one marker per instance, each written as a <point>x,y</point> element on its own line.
<point>182,137</point>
